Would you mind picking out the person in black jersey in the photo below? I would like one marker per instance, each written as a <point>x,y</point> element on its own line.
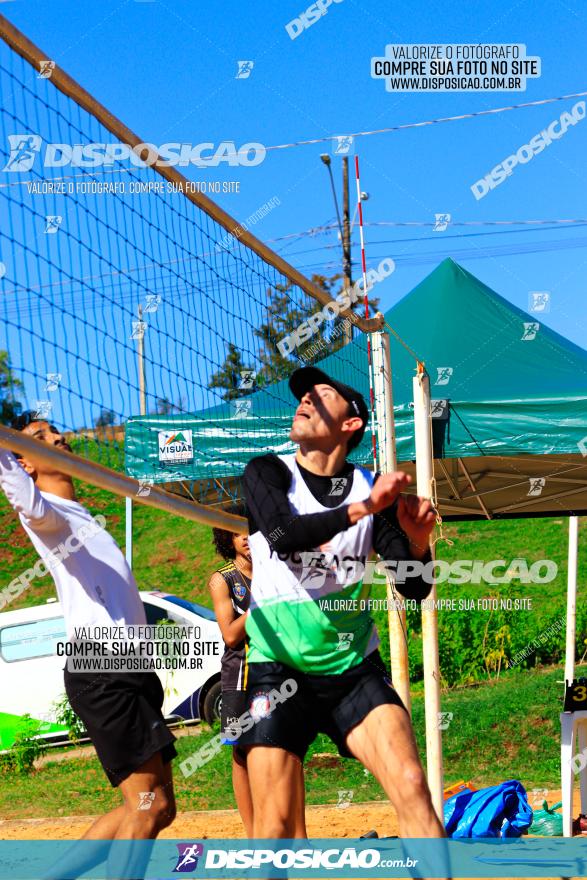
<point>230,588</point>
<point>315,520</point>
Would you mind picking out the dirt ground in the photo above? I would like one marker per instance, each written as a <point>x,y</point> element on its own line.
<point>330,821</point>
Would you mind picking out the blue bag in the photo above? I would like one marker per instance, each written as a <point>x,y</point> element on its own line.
<point>499,811</point>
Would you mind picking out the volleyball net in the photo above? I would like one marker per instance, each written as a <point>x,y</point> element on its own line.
<point>136,315</point>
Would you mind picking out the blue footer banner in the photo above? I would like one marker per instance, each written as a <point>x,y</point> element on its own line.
<point>340,858</point>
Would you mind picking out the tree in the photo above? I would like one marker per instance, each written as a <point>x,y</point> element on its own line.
<point>166,407</point>
<point>106,418</point>
<point>284,314</point>
<point>10,407</point>
<point>229,377</point>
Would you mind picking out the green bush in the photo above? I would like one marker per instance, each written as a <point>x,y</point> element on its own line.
<point>25,749</point>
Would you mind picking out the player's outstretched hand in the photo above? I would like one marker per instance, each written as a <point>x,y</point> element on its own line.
<point>416,517</point>
<point>386,489</point>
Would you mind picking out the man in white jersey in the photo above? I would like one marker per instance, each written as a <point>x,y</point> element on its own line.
<point>121,711</point>
<point>314,521</point>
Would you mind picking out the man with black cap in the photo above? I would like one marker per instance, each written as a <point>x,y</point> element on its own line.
<point>314,521</point>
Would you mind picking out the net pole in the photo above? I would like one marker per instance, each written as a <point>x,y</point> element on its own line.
<point>117,483</point>
<point>366,304</point>
<point>72,89</point>
<point>424,477</point>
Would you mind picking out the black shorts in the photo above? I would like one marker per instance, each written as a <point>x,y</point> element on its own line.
<point>234,704</point>
<point>330,704</point>
<point>122,715</point>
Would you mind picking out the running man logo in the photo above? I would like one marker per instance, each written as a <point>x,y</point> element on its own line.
<point>444,374</point>
<point>145,486</point>
<point>242,408</point>
<point>244,69</point>
<point>439,408</point>
<point>189,853</point>
<point>43,409</point>
<point>536,486</point>
<point>539,301</point>
<point>52,223</point>
<point>342,144</point>
<point>46,68</point>
<point>441,222</point>
<point>345,797</point>
<point>338,485</point>
<point>53,380</point>
<point>152,303</point>
<point>344,641</point>
<point>23,151</point>
<point>531,328</point>
<point>146,799</point>
<point>444,719</point>
<point>247,380</point>
<point>138,329</point>
<point>176,445</point>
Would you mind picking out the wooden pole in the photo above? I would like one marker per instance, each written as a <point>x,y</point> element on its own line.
<point>571,597</point>
<point>424,474</point>
<point>118,483</point>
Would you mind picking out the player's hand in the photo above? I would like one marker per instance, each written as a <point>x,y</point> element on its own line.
<point>386,489</point>
<point>416,517</point>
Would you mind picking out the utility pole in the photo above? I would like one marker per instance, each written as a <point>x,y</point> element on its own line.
<point>346,239</point>
<point>143,411</point>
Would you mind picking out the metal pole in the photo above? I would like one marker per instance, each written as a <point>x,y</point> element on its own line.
<point>143,411</point>
<point>571,597</point>
<point>141,366</point>
<point>398,648</point>
<point>424,474</point>
<point>128,530</point>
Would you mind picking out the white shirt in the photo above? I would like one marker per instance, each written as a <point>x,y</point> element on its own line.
<point>94,582</point>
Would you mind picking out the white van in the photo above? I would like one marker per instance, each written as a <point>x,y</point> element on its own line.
<point>32,674</point>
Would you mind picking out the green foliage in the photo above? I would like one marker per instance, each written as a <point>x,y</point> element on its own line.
<point>506,728</point>
<point>106,418</point>
<point>65,715</point>
<point>228,377</point>
<point>20,758</point>
<point>10,407</point>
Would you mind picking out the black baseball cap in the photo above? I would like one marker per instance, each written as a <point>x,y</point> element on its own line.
<point>303,379</point>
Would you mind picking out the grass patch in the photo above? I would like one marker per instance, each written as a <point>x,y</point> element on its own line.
<point>507,729</point>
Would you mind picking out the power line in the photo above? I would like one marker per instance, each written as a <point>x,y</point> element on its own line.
<point>437,121</point>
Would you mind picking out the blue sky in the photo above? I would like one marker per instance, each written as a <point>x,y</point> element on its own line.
<point>169,71</point>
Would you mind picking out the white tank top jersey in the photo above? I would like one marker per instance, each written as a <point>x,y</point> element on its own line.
<point>94,582</point>
<point>306,607</point>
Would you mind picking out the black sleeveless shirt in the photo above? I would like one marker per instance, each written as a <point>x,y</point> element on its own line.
<point>233,659</point>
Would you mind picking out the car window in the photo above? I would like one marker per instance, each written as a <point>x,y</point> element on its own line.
<point>154,614</point>
<point>25,641</point>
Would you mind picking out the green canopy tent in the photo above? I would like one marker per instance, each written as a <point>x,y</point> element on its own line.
<point>509,422</point>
